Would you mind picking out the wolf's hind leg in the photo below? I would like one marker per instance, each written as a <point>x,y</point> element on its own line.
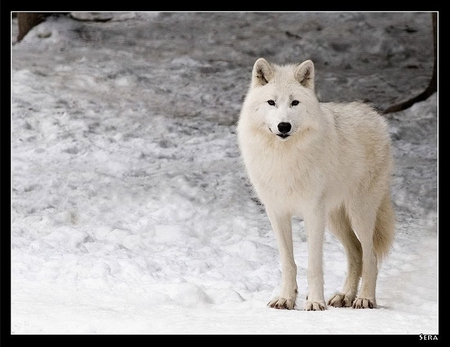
<point>340,226</point>
<point>363,218</point>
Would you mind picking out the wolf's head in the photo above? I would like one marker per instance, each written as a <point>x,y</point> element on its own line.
<point>281,99</point>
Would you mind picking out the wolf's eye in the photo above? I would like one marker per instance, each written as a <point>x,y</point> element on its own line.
<point>295,102</point>
<point>271,102</point>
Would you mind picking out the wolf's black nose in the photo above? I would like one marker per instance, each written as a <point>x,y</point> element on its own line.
<point>284,128</point>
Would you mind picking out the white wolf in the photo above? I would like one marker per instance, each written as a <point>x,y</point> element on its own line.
<point>328,163</point>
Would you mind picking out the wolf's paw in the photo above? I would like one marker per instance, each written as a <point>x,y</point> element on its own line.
<point>364,303</point>
<point>315,305</point>
<point>341,300</point>
<point>282,303</point>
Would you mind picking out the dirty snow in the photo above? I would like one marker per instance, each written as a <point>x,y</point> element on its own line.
<point>130,210</point>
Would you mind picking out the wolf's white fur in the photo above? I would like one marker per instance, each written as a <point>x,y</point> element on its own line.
<point>333,169</point>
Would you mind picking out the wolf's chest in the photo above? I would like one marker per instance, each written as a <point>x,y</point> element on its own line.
<point>279,174</point>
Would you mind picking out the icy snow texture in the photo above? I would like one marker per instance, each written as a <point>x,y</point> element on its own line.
<point>131,212</point>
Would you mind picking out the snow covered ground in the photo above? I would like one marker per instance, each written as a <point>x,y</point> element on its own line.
<point>131,212</point>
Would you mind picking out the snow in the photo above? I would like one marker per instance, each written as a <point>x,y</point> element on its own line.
<point>131,212</point>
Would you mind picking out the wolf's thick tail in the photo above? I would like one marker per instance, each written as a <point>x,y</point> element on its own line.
<point>384,228</point>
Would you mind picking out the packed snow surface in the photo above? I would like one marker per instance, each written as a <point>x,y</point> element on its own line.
<point>131,211</point>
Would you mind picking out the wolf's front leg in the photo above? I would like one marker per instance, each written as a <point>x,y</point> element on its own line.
<point>281,224</point>
<point>315,229</point>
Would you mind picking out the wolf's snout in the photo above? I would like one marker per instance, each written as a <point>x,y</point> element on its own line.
<point>284,128</point>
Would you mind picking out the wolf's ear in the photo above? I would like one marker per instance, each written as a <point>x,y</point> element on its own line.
<point>262,72</point>
<point>304,73</point>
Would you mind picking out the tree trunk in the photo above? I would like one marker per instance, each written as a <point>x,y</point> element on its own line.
<point>432,86</point>
<point>27,21</point>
